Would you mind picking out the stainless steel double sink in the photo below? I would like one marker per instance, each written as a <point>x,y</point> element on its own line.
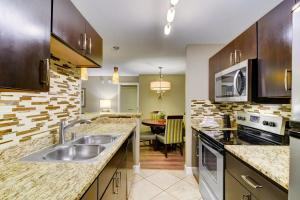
<point>85,148</point>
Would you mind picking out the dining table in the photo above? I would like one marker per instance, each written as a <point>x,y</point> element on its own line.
<point>157,125</point>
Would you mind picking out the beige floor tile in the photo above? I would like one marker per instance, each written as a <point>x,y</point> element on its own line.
<point>144,190</point>
<point>163,196</point>
<point>137,178</point>
<point>191,180</point>
<point>178,173</point>
<point>163,179</point>
<point>184,191</point>
<point>148,172</point>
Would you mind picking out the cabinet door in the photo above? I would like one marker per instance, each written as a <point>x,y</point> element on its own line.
<point>121,183</point>
<point>25,44</point>
<point>91,193</point>
<point>110,193</point>
<point>275,52</point>
<point>68,24</point>
<point>234,190</point>
<point>94,45</point>
<point>214,67</point>
<point>225,56</point>
<point>246,44</point>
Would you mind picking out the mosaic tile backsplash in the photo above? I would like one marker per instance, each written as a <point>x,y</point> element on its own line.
<point>25,116</point>
<point>203,108</point>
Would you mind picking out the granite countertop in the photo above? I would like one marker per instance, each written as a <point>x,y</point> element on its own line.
<point>272,161</point>
<point>94,115</point>
<point>64,180</point>
<point>199,128</point>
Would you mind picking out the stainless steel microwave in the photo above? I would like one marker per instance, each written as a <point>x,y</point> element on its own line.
<point>234,84</point>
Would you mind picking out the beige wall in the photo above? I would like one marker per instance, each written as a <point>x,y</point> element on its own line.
<point>172,102</point>
<point>100,87</point>
<point>197,57</point>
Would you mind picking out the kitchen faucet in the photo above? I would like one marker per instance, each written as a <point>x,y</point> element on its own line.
<point>63,127</point>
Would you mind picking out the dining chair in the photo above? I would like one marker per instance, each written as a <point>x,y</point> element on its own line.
<point>155,115</point>
<point>173,133</point>
<point>150,135</point>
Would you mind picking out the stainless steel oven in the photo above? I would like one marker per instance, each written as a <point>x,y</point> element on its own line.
<point>211,165</point>
<point>234,84</point>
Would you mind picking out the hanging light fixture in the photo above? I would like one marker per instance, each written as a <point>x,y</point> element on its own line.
<point>160,86</point>
<point>167,29</point>
<point>84,74</point>
<point>115,76</point>
<point>171,14</point>
<point>174,2</point>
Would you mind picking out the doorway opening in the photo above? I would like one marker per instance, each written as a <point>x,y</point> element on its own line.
<point>128,101</point>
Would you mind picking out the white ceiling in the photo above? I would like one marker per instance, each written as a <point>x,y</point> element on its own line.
<point>137,27</point>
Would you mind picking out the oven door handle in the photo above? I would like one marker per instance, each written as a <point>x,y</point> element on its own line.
<point>212,146</point>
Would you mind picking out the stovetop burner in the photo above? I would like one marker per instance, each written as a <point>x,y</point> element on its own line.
<point>243,136</point>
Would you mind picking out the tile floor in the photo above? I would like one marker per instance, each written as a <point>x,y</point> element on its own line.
<point>164,185</point>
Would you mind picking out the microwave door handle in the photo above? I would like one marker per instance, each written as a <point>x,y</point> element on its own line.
<point>235,90</point>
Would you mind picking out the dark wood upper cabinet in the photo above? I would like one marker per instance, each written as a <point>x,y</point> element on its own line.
<point>68,24</point>
<point>25,44</point>
<point>73,33</point>
<point>94,44</point>
<point>241,48</point>
<point>214,67</point>
<point>245,44</point>
<point>275,52</point>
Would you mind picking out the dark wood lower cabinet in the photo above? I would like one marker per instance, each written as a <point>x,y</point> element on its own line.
<point>243,182</point>
<point>92,193</point>
<point>234,190</point>
<point>112,183</point>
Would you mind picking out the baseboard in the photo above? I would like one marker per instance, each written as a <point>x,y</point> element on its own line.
<point>188,170</point>
<point>137,168</point>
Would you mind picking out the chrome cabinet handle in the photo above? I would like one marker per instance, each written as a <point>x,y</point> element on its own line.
<point>90,46</point>
<point>246,197</point>
<point>232,59</point>
<point>237,56</point>
<point>115,188</point>
<point>287,81</point>
<point>251,182</point>
<point>80,42</point>
<point>45,75</point>
<point>84,42</point>
<point>118,181</point>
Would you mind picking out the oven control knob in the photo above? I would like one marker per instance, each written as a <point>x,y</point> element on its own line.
<point>272,124</point>
<point>241,118</point>
<point>266,123</point>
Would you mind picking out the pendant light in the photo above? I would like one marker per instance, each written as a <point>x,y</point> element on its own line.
<point>115,76</point>
<point>160,86</point>
<point>84,74</point>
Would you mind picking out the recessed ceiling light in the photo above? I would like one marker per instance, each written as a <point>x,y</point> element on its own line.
<point>174,2</point>
<point>171,14</point>
<point>167,29</point>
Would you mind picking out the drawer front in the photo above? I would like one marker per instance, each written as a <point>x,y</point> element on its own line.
<point>234,190</point>
<point>110,169</point>
<point>258,185</point>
